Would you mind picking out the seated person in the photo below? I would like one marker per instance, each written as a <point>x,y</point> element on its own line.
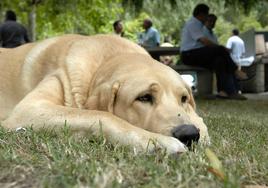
<point>196,49</point>
<point>236,47</point>
<point>167,60</point>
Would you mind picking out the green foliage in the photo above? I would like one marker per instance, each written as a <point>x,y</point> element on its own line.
<point>223,30</point>
<point>169,18</point>
<point>66,16</point>
<point>247,5</point>
<point>20,7</point>
<point>80,17</point>
<point>249,22</point>
<point>97,16</point>
<point>134,26</point>
<point>262,13</point>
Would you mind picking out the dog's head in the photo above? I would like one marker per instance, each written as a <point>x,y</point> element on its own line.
<point>148,95</point>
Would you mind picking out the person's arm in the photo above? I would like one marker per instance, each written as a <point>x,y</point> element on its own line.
<point>140,38</point>
<point>209,38</point>
<point>243,50</point>
<point>157,38</point>
<point>197,34</point>
<point>26,37</point>
<point>229,45</point>
<point>205,41</point>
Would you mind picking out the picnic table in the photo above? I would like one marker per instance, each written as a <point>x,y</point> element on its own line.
<point>256,44</point>
<point>158,51</point>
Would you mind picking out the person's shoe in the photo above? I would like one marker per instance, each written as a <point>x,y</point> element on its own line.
<point>222,95</point>
<point>240,75</point>
<point>237,96</point>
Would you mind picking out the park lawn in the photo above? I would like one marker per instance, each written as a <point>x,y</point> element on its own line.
<point>239,136</point>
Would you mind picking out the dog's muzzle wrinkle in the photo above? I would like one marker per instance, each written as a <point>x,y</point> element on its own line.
<point>187,134</point>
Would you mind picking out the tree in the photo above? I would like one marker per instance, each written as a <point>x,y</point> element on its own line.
<point>247,5</point>
<point>79,16</point>
<point>53,17</point>
<point>46,18</point>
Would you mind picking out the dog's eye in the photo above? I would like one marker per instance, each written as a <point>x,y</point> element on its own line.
<point>183,99</point>
<point>145,98</point>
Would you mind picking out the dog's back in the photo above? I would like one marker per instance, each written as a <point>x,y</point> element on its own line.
<point>22,68</point>
<point>11,61</point>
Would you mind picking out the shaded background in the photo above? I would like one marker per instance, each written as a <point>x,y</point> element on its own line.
<point>45,18</point>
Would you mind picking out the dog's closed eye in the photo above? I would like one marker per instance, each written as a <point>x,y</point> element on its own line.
<point>147,98</point>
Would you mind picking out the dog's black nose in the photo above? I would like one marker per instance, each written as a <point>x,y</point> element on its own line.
<point>187,134</point>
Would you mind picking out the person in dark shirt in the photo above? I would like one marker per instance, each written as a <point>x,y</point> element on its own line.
<point>12,33</point>
<point>118,28</point>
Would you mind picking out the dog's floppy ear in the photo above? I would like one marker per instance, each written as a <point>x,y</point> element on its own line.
<point>191,100</point>
<point>103,97</point>
<point>114,90</point>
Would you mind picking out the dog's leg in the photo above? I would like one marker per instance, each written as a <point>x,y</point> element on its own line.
<point>43,108</point>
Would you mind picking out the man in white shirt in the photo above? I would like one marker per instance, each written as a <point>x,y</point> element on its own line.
<point>236,46</point>
<point>198,50</point>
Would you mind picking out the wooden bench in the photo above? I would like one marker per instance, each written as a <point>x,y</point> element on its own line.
<point>256,43</point>
<point>204,77</point>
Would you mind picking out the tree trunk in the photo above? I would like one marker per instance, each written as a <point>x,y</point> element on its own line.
<point>32,23</point>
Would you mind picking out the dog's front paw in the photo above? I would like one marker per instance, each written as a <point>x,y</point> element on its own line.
<point>170,144</point>
<point>152,142</point>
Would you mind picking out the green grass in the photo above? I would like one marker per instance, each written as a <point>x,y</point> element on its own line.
<point>239,135</point>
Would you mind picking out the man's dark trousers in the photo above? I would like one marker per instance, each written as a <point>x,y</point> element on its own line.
<point>215,58</point>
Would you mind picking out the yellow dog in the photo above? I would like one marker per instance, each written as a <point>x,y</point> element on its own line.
<point>101,83</point>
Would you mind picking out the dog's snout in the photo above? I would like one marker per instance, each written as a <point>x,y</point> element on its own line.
<point>187,134</point>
